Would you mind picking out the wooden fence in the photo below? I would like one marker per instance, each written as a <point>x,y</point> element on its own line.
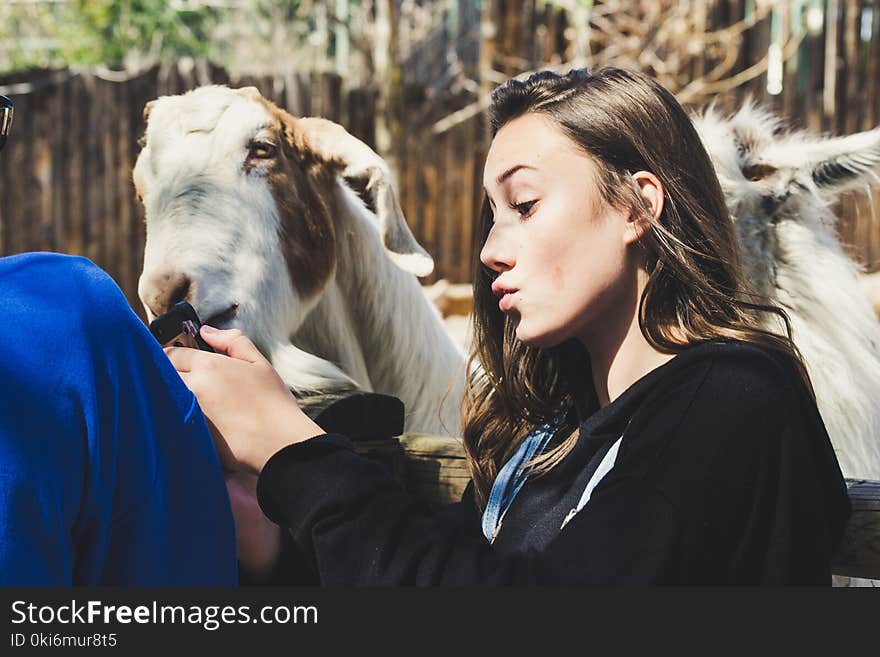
<point>65,173</point>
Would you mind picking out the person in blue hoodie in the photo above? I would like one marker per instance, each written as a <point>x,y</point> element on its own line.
<point>108,474</point>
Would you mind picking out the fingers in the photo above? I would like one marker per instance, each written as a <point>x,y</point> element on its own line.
<point>181,357</point>
<point>233,343</point>
<point>186,359</point>
<point>183,360</point>
<point>187,379</point>
<point>191,381</point>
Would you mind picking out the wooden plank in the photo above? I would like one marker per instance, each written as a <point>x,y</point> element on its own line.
<point>420,444</point>
<point>852,103</point>
<point>187,78</point>
<point>73,139</point>
<point>549,21</point>
<point>760,44</point>
<point>60,117</point>
<point>91,166</point>
<point>506,44</point>
<point>434,468</point>
<point>697,64</point>
<point>110,256</point>
<point>278,90</point>
<point>220,75</point>
<point>30,222</point>
<point>409,181</point>
<point>21,173</point>
<point>432,190</point>
<point>17,173</point>
<point>9,209</point>
<point>812,99</point>
<point>360,112</point>
<point>466,201</point>
<point>830,81</point>
<point>145,89</point>
<point>789,68</point>
<point>479,156</point>
<point>454,217</point>
<point>305,95</point>
<point>532,51</point>
<point>315,99</point>
<point>4,185</point>
<point>447,209</point>
<point>859,553</point>
<point>872,71</point>
<point>332,97</point>
<point>42,155</point>
<point>125,190</point>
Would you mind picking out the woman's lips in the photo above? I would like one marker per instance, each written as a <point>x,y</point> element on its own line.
<point>506,302</point>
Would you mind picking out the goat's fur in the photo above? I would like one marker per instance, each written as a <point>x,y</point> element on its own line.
<point>250,218</point>
<point>871,286</point>
<point>780,188</point>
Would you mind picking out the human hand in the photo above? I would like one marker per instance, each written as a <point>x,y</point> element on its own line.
<point>251,412</point>
<point>258,538</point>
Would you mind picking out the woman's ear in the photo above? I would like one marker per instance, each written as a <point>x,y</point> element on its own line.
<point>651,190</point>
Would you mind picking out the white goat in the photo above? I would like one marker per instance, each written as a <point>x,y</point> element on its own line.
<point>249,218</point>
<point>780,188</point>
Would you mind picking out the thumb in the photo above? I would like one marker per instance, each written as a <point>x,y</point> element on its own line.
<point>233,343</point>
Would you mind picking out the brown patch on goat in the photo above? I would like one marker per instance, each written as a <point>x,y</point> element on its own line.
<point>756,172</point>
<point>303,183</point>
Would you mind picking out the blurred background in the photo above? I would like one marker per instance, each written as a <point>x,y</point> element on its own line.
<point>410,77</point>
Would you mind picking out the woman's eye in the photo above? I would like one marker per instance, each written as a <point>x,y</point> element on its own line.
<point>524,208</point>
<point>261,150</point>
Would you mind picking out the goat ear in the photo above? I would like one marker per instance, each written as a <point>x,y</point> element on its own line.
<point>250,92</point>
<point>147,109</point>
<point>331,142</point>
<point>848,160</point>
<point>838,163</point>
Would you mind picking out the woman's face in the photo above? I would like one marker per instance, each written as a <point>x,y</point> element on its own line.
<point>559,250</point>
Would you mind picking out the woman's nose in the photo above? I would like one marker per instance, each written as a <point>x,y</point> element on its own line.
<point>494,254</point>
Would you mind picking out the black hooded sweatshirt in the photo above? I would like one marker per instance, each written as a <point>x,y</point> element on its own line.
<point>725,475</point>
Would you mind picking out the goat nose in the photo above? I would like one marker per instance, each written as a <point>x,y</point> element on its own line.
<point>163,289</point>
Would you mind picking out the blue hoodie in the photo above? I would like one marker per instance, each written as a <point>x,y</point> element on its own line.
<point>108,475</point>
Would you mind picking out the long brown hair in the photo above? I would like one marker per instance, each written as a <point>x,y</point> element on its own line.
<point>696,291</point>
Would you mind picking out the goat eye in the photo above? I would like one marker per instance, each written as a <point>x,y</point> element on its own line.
<point>261,150</point>
<point>756,172</point>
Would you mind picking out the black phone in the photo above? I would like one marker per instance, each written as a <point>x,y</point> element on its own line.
<point>179,327</point>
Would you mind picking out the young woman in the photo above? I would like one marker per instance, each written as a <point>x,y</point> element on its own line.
<point>631,422</point>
